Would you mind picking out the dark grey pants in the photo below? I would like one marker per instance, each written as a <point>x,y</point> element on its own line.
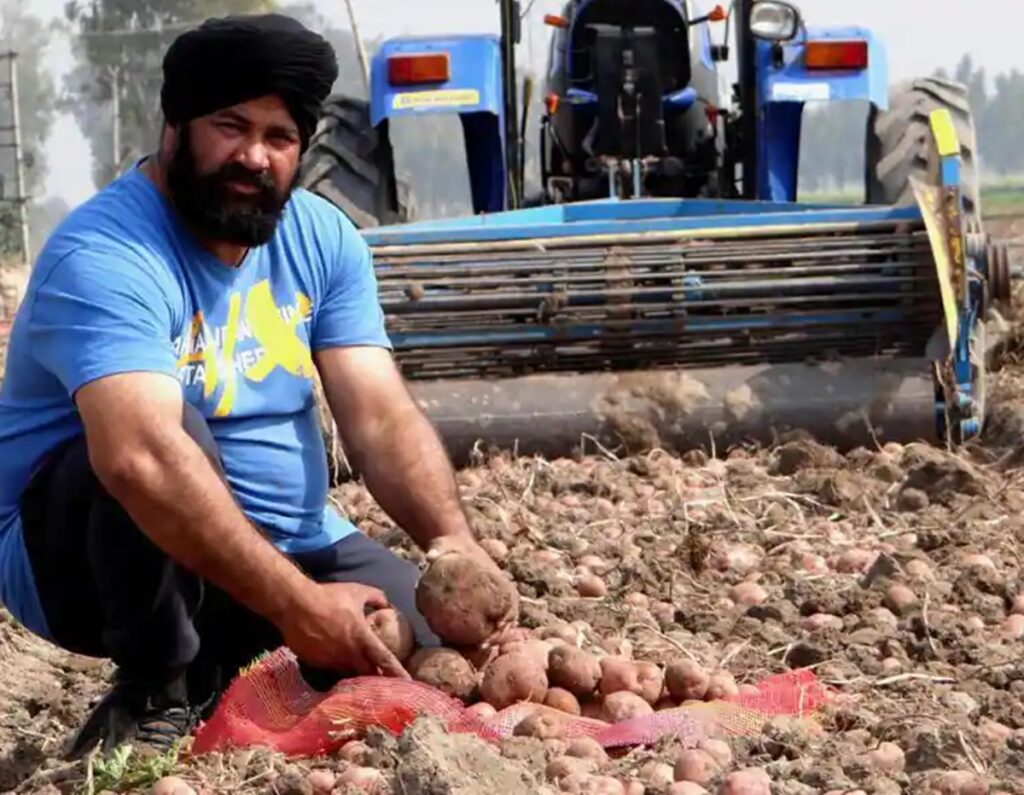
<point>108,591</point>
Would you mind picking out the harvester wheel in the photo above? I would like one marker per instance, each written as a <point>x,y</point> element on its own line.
<point>352,166</point>
<point>900,144</point>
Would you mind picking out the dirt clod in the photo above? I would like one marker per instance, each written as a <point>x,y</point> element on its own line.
<point>433,762</point>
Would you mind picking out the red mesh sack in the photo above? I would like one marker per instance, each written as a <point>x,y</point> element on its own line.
<point>270,705</point>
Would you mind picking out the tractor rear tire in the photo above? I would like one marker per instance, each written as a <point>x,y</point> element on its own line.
<point>900,144</point>
<point>352,166</point>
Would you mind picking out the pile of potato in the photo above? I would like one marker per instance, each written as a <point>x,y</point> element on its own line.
<point>489,669</point>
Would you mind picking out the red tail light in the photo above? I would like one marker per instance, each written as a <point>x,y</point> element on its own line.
<point>408,70</point>
<point>837,55</point>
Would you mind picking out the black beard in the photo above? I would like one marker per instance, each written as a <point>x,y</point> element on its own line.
<point>212,210</point>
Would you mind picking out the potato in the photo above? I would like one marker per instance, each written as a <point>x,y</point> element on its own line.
<point>633,787</point>
<point>591,586</point>
<point>887,758</point>
<point>664,612</point>
<point>959,782</point>
<point>540,725</point>
<point>564,632</point>
<point>603,785</point>
<point>172,785</point>
<point>657,775</point>
<point>562,700</point>
<point>587,748</point>
<point>513,678</point>
<point>739,558</point>
<point>696,765</point>
<point>574,670</point>
<point>464,602</point>
<point>619,674</point>
<point>498,550</point>
<point>355,752</point>
<point>637,599</point>
<point>363,779</point>
<point>748,594</point>
<point>751,781</point>
<point>537,650</point>
<point>686,788</point>
<point>994,732</point>
<point>1013,627</point>
<point>394,631</point>
<point>900,599</point>
<point>721,684</point>
<point>322,781</point>
<point>623,705</point>
<point>482,710</point>
<point>618,647</point>
<point>562,766</point>
<point>687,681</point>
<point>720,751</point>
<point>444,669</point>
<point>652,681</point>
<point>594,563</point>
<point>822,622</point>
<point>855,561</point>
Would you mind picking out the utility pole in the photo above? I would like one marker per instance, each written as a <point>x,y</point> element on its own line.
<point>115,87</point>
<point>364,64</point>
<point>20,199</point>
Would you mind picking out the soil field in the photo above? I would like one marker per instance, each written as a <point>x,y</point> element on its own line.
<point>896,573</point>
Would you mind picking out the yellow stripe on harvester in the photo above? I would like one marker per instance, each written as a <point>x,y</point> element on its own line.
<point>929,201</point>
<point>945,132</point>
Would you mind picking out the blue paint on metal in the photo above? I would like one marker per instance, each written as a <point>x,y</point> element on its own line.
<point>785,86</point>
<point>613,210</point>
<point>791,81</point>
<point>552,226</point>
<point>474,92</point>
<point>475,66</point>
<point>682,100</point>
<point>779,151</point>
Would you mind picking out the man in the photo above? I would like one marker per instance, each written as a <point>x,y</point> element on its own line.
<point>163,477</point>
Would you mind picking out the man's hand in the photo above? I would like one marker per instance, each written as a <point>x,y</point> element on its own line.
<point>333,632</point>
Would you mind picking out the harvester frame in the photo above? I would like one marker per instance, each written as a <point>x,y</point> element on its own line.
<point>684,322</point>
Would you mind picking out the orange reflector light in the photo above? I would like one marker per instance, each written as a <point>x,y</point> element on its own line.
<point>837,55</point>
<point>718,14</point>
<point>556,21</point>
<point>552,101</point>
<point>407,70</point>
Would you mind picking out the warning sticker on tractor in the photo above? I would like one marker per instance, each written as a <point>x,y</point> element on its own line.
<point>436,99</point>
<point>801,92</point>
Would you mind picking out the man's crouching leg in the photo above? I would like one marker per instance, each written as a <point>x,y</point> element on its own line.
<point>108,591</point>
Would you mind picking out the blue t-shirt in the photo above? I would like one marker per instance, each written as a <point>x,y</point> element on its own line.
<point>121,286</point>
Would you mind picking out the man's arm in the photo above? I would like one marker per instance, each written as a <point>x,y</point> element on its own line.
<point>142,455</point>
<point>392,444</point>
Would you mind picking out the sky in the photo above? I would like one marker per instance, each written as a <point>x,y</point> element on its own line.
<point>919,36</point>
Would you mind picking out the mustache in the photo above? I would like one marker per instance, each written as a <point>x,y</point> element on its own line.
<point>236,172</point>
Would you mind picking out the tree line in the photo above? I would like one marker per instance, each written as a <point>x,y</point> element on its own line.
<point>118,47</point>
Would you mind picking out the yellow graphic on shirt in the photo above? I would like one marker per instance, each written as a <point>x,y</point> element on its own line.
<point>257,338</point>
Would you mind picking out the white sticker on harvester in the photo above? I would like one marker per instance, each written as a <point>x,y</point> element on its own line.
<point>801,92</point>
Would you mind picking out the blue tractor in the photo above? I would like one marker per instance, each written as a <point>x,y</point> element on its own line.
<point>662,286</point>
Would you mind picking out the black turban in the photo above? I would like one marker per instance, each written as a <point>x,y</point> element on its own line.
<point>235,59</point>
